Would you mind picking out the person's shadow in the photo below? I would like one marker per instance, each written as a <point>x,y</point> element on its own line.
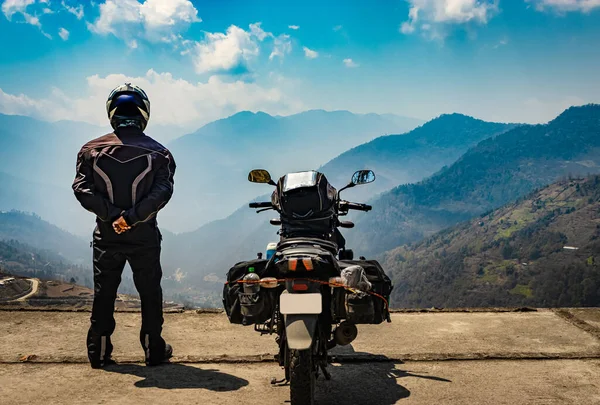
<point>359,381</point>
<point>176,375</point>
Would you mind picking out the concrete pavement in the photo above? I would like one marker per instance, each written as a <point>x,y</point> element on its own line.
<point>541,357</point>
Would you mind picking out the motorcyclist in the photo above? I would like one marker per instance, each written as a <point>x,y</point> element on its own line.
<point>125,178</point>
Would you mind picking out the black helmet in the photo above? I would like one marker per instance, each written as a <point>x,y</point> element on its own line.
<point>128,102</point>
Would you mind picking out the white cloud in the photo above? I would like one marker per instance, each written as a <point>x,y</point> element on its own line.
<point>227,52</point>
<point>258,32</point>
<point>159,13</point>
<point>63,33</point>
<point>77,11</point>
<point>174,101</point>
<point>231,52</point>
<point>12,7</point>
<point>153,20</point>
<point>566,5</point>
<point>337,27</point>
<point>309,53</point>
<point>350,63</point>
<point>435,16</point>
<point>33,20</point>
<point>282,45</point>
<point>294,27</point>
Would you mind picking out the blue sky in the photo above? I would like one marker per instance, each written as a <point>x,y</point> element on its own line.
<point>504,60</point>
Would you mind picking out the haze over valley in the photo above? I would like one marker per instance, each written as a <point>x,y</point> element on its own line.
<point>445,171</point>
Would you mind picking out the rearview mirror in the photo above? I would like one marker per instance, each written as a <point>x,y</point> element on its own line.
<point>363,177</point>
<point>260,176</point>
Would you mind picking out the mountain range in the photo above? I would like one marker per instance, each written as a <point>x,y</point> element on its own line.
<point>408,158</point>
<point>449,170</point>
<point>213,162</point>
<point>244,233</point>
<point>37,160</point>
<point>496,171</point>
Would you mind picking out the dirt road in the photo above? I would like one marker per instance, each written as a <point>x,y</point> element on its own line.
<point>35,283</point>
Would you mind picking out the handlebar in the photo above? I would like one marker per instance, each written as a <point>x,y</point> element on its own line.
<point>260,205</point>
<point>347,205</point>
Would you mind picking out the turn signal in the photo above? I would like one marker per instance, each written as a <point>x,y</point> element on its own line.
<point>292,264</point>
<point>308,265</point>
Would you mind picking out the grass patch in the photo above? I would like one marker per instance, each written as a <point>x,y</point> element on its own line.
<point>492,273</point>
<point>518,220</point>
<point>522,289</point>
<point>489,276</point>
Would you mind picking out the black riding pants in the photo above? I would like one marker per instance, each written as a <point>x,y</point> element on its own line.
<point>141,248</point>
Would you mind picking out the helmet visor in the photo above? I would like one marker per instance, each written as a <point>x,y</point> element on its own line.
<point>126,105</point>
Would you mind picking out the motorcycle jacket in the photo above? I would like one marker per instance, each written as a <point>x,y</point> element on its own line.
<point>124,173</point>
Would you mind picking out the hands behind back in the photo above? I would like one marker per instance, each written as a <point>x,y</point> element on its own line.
<point>120,225</point>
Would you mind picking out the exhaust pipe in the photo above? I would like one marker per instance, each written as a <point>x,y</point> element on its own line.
<point>345,333</point>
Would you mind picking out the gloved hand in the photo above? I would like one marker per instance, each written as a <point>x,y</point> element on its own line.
<point>120,225</point>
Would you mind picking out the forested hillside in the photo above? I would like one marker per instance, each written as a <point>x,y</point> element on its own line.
<point>543,250</point>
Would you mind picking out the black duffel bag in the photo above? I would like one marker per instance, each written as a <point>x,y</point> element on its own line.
<point>243,308</point>
<point>362,308</point>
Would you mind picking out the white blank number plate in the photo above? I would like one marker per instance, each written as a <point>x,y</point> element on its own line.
<point>297,304</point>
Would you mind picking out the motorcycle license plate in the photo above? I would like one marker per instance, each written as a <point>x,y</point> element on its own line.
<point>298,304</point>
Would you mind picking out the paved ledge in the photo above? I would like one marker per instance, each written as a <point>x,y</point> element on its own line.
<point>469,356</point>
<point>59,337</point>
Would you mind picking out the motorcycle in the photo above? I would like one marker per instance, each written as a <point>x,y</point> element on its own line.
<point>310,293</point>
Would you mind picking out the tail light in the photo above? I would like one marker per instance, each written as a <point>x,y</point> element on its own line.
<point>299,286</point>
<point>292,264</point>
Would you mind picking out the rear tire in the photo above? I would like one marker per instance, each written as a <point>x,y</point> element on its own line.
<point>302,377</point>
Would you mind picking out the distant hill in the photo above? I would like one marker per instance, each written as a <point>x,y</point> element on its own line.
<point>213,162</point>
<point>22,259</point>
<point>32,247</point>
<point>54,203</point>
<point>202,257</point>
<point>541,251</point>
<point>408,158</point>
<point>34,231</point>
<point>491,174</point>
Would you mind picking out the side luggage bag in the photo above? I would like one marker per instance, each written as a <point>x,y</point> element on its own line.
<point>364,308</point>
<point>247,309</point>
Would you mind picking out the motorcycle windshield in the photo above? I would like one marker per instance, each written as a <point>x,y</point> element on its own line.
<point>293,181</point>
